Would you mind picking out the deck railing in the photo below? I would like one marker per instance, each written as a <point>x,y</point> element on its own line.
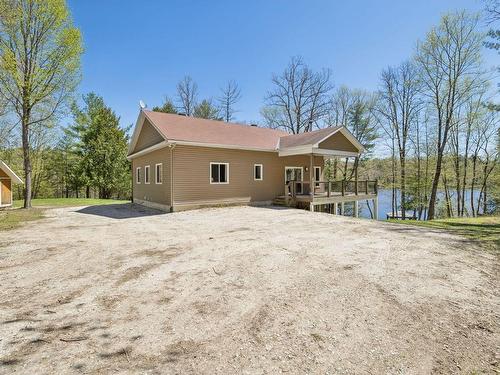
<point>330,188</point>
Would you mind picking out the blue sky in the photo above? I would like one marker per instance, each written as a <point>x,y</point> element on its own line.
<point>141,49</point>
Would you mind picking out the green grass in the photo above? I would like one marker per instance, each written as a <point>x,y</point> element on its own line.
<point>13,218</point>
<point>69,202</point>
<point>483,230</point>
<point>10,219</point>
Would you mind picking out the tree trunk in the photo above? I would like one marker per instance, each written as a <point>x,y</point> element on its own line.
<point>435,183</point>
<point>403,185</point>
<point>87,192</point>
<point>27,161</point>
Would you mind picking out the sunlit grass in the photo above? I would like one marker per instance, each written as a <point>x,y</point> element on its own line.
<point>69,202</point>
<point>483,230</point>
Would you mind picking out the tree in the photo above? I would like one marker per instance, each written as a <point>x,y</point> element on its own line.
<point>187,95</point>
<point>206,109</point>
<point>449,62</point>
<point>102,146</point>
<point>399,105</point>
<point>299,98</point>
<point>40,53</point>
<point>230,95</point>
<point>167,107</point>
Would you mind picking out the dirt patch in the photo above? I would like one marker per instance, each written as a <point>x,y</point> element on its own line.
<point>243,290</point>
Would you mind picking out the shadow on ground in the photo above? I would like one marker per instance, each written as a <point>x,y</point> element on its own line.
<point>120,211</point>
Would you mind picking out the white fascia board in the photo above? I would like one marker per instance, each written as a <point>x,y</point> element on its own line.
<point>333,153</point>
<point>215,145</point>
<point>298,150</point>
<point>148,150</point>
<point>14,177</point>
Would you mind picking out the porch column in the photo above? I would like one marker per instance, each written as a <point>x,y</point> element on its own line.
<point>375,208</point>
<point>311,175</point>
<point>356,209</point>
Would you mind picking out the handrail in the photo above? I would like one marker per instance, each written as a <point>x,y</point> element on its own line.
<point>327,188</point>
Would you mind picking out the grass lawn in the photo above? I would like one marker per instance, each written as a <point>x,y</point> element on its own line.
<point>69,202</point>
<point>483,230</point>
<point>12,218</point>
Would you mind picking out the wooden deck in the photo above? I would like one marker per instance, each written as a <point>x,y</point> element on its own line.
<point>298,193</point>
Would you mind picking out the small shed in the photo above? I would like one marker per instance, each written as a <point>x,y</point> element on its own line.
<point>7,179</point>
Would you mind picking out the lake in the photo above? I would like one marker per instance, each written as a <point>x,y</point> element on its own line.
<point>384,204</point>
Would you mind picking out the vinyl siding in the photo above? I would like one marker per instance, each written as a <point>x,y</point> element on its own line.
<point>192,174</point>
<point>338,141</point>
<point>152,192</point>
<point>148,137</point>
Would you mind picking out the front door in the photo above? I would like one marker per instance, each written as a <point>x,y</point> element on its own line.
<point>294,174</point>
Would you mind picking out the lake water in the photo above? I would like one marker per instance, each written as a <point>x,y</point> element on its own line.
<point>384,204</point>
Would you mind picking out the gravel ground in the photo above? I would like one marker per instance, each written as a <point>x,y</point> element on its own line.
<point>243,290</point>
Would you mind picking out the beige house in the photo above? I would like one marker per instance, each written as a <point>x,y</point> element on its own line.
<point>181,162</point>
<point>7,179</point>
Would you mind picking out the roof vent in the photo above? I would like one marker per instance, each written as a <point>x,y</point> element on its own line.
<point>254,125</point>
<point>181,114</point>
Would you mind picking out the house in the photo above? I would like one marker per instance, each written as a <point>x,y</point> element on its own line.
<point>7,179</point>
<point>181,162</point>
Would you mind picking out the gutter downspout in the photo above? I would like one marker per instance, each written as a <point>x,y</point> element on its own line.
<point>172,146</point>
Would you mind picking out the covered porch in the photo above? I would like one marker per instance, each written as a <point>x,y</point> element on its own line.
<point>317,192</point>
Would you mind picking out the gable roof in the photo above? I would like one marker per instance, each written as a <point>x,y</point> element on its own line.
<point>197,130</point>
<point>15,179</point>
<point>212,133</point>
<point>309,138</point>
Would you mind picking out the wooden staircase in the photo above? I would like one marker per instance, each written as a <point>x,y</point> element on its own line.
<point>279,201</point>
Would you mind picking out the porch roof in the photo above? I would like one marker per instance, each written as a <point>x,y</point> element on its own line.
<point>14,177</point>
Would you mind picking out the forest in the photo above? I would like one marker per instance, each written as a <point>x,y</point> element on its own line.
<point>430,130</point>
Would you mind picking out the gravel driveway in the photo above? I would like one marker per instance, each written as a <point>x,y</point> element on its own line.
<point>243,290</point>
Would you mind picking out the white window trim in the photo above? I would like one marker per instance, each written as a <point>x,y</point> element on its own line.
<point>210,173</point>
<point>138,175</point>
<point>261,172</point>
<point>156,173</point>
<point>148,175</point>
<point>316,181</point>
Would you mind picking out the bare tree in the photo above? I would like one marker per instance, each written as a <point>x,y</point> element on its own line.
<point>449,61</point>
<point>299,99</point>
<point>230,95</point>
<point>399,104</point>
<point>187,95</point>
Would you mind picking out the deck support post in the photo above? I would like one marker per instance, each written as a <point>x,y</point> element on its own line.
<point>356,208</point>
<point>335,208</point>
<point>311,207</point>
<point>375,208</point>
<point>342,208</point>
<point>311,176</point>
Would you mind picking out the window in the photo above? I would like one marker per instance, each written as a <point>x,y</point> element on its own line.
<point>138,175</point>
<point>258,170</point>
<point>219,173</point>
<point>317,175</point>
<point>146,174</point>
<point>159,173</point>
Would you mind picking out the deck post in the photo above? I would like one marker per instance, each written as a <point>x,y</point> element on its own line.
<point>342,208</point>
<point>356,208</point>
<point>311,176</point>
<point>375,208</point>
<point>335,207</point>
<point>311,207</point>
